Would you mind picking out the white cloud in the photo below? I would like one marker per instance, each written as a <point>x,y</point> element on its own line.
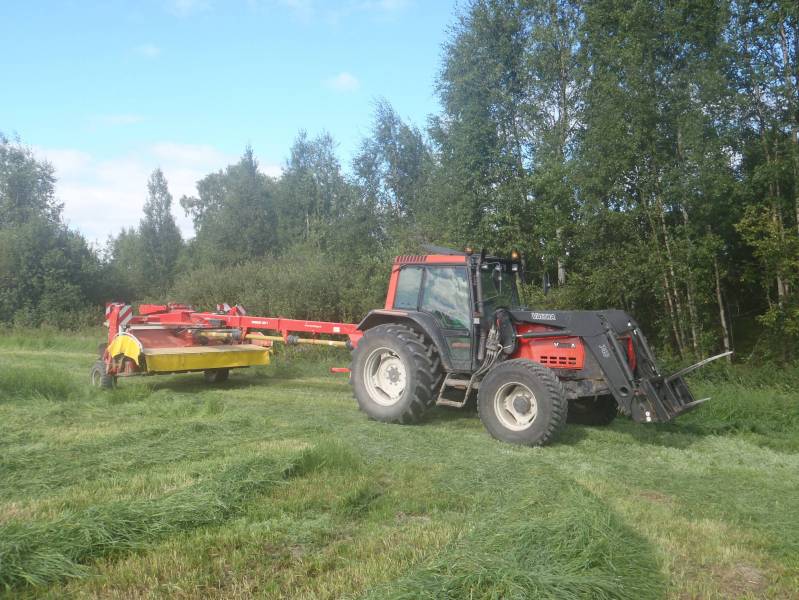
<point>148,50</point>
<point>103,195</point>
<point>184,8</point>
<point>200,155</point>
<point>271,170</point>
<point>343,82</point>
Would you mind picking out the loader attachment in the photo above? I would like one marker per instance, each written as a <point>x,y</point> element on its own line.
<point>663,398</point>
<point>641,390</point>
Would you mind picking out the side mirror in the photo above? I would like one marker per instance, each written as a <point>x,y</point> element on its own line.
<point>496,276</point>
<point>545,285</point>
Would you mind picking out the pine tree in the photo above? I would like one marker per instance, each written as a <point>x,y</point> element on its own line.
<point>159,236</point>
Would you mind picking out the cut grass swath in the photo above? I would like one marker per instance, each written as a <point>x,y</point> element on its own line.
<point>534,548</point>
<point>40,553</point>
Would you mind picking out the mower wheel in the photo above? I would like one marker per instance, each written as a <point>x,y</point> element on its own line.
<point>522,402</point>
<point>216,375</point>
<point>99,378</point>
<point>395,375</point>
<point>589,411</point>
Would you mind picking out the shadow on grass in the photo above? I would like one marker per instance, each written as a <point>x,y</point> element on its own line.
<point>192,383</point>
<point>684,435</point>
<point>466,418</point>
<point>665,435</point>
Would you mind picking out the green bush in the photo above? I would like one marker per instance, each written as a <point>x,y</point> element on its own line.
<point>303,284</point>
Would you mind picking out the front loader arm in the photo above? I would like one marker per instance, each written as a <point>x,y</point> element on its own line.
<point>646,395</point>
<point>640,389</point>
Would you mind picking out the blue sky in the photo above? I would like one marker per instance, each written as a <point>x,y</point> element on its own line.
<point>108,91</point>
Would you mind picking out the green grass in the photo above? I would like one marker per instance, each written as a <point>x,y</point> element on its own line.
<point>275,485</point>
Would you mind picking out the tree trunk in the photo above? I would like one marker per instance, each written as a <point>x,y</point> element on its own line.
<point>689,290</point>
<point>563,83</point>
<point>561,265</point>
<point>725,332</point>
<point>782,285</point>
<point>672,273</point>
<point>792,95</point>
<point>674,317</point>
<point>689,283</point>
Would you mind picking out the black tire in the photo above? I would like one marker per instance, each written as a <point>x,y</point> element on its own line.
<point>99,378</point>
<point>547,409</point>
<point>408,354</point>
<point>216,375</point>
<point>589,411</point>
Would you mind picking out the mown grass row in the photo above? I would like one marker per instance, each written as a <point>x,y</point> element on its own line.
<point>534,547</point>
<point>39,553</point>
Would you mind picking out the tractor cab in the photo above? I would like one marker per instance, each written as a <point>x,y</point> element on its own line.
<point>453,296</point>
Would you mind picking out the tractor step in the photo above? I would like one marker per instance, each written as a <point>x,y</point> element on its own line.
<point>451,381</point>
<point>452,403</point>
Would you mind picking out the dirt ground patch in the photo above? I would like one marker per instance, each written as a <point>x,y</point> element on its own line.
<point>740,580</point>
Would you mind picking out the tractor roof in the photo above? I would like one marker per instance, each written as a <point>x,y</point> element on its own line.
<point>431,259</point>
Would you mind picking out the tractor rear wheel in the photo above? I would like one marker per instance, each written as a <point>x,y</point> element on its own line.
<point>589,411</point>
<point>395,375</point>
<point>522,402</point>
<point>100,378</point>
<point>216,375</point>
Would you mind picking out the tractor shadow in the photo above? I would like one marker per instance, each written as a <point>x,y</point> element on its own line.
<point>665,435</point>
<point>192,383</point>
<point>467,419</point>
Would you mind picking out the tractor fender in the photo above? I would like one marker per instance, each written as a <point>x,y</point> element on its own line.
<point>421,322</point>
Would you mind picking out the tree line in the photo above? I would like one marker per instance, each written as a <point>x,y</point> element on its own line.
<point>642,155</point>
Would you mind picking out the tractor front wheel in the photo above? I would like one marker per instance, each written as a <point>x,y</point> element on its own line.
<point>99,377</point>
<point>394,375</point>
<point>522,402</point>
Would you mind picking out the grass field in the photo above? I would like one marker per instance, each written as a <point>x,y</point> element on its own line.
<point>274,485</point>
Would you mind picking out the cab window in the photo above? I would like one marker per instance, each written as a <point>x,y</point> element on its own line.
<point>446,296</point>
<point>407,295</point>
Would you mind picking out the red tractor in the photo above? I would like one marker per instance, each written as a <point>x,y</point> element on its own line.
<point>453,326</point>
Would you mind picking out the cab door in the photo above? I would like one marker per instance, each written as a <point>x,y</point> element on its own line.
<point>442,292</point>
<point>445,295</point>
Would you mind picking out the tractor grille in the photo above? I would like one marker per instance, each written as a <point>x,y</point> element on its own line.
<point>558,361</point>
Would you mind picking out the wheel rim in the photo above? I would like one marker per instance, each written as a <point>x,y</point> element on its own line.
<point>385,376</point>
<point>515,406</point>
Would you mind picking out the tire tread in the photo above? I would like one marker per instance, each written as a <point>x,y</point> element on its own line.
<point>426,363</point>
<point>560,405</point>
